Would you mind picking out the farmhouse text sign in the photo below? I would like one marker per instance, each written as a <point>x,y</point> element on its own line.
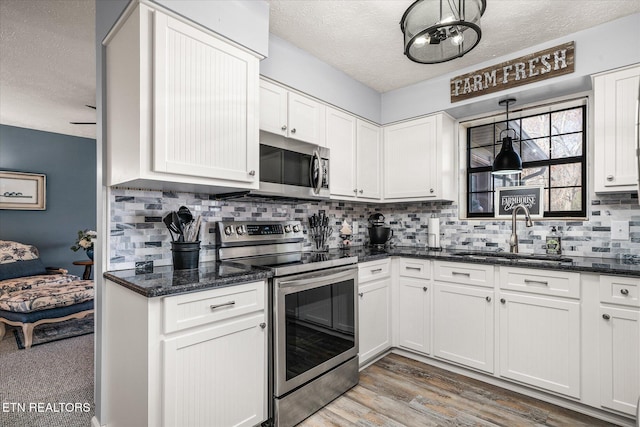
<point>542,65</point>
<point>507,198</point>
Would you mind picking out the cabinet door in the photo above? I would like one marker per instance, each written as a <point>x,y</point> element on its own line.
<point>273,108</point>
<point>540,342</point>
<point>619,359</point>
<point>414,314</point>
<point>217,376</point>
<point>205,104</point>
<point>615,99</point>
<point>374,319</point>
<point>306,119</point>
<point>341,140</point>
<point>411,159</point>
<point>368,161</point>
<point>463,328</point>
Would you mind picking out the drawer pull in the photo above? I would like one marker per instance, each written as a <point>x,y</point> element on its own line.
<point>425,288</point>
<point>538,282</point>
<point>624,291</point>
<point>606,316</point>
<point>414,268</point>
<point>377,270</point>
<point>213,307</point>
<point>458,273</point>
<point>488,299</point>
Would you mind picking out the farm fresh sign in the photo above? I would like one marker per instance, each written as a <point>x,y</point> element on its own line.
<point>535,67</point>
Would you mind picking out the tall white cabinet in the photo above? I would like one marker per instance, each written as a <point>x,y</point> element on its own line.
<point>615,120</point>
<point>182,105</point>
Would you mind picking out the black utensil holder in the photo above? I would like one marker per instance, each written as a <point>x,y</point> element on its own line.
<point>185,255</point>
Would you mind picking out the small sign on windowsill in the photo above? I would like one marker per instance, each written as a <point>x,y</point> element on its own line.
<point>507,198</point>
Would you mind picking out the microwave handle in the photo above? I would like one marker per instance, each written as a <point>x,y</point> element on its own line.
<point>316,169</point>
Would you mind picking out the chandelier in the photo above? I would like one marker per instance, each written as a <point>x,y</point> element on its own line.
<point>441,30</point>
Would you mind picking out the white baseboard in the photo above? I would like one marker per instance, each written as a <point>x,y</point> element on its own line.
<point>95,422</point>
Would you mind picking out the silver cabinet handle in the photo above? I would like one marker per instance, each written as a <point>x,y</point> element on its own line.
<point>606,316</point>
<point>539,282</point>
<point>414,268</point>
<point>213,307</point>
<point>355,190</point>
<point>488,299</point>
<point>361,294</point>
<point>425,288</point>
<point>263,325</point>
<point>360,191</point>
<point>503,301</point>
<point>624,291</point>
<point>458,273</point>
<point>431,190</point>
<point>609,178</point>
<point>293,130</point>
<point>377,270</point>
<point>284,127</point>
<point>252,173</point>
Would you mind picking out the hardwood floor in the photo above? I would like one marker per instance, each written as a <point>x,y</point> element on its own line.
<point>396,391</point>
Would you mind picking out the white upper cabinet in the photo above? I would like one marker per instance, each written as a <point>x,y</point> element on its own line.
<point>419,162</point>
<point>615,119</point>
<point>355,156</point>
<point>290,114</point>
<point>182,106</point>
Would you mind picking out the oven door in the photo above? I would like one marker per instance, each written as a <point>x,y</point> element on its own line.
<point>316,325</point>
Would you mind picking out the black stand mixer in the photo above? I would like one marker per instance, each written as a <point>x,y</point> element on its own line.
<point>379,233</point>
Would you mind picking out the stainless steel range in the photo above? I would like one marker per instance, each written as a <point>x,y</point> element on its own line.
<point>313,311</point>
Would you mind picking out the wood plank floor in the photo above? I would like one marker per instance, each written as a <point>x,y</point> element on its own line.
<point>396,391</point>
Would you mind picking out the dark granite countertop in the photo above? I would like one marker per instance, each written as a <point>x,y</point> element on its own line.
<point>578,264</point>
<point>165,281</point>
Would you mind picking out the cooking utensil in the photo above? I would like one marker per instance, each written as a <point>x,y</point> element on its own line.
<point>168,221</point>
<point>178,224</point>
<point>185,215</point>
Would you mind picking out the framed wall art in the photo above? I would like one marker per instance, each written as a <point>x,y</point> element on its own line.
<point>23,191</point>
<point>507,198</point>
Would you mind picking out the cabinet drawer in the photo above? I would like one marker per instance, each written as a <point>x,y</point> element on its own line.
<point>466,274</point>
<point>189,310</point>
<point>543,282</point>
<point>620,290</point>
<point>418,268</point>
<point>374,270</point>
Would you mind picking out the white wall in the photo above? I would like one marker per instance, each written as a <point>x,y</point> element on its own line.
<point>607,46</point>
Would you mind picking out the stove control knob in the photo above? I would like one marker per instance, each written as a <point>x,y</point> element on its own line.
<point>240,230</point>
<point>287,228</point>
<point>228,230</point>
<point>296,228</point>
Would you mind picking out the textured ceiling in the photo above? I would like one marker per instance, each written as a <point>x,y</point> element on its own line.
<point>47,48</point>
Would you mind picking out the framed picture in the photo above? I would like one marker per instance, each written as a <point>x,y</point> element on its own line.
<point>507,198</point>
<point>24,191</point>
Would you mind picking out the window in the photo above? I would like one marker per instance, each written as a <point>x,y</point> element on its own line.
<point>552,146</point>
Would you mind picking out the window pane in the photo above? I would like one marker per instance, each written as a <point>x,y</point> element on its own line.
<point>481,136</point>
<point>535,127</point>
<point>566,199</point>
<point>566,145</point>
<point>481,202</point>
<point>566,175</point>
<point>481,156</point>
<point>566,121</point>
<point>536,176</point>
<point>506,180</point>
<point>537,149</point>
<point>480,181</point>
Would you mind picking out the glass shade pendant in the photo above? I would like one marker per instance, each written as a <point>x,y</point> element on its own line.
<point>507,162</point>
<point>441,30</point>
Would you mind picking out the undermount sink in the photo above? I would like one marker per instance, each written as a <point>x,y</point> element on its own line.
<point>510,257</point>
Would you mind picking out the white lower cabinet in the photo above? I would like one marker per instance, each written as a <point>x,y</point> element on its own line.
<point>196,359</point>
<point>414,305</point>
<point>540,334</point>
<point>619,344</point>
<point>374,309</point>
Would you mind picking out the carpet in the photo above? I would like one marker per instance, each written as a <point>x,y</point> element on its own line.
<point>50,332</point>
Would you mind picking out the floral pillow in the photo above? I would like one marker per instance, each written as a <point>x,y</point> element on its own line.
<point>14,251</point>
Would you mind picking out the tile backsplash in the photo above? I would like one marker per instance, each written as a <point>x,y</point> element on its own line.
<point>138,233</point>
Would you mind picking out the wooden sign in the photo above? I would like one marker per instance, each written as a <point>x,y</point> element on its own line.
<point>535,67</point>
<point>507,198</point>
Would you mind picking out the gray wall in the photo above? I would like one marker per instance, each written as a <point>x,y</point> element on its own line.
<point>69,163</point>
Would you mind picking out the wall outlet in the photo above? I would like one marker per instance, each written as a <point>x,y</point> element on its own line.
<point>354,228</point>
<point>619,230</point>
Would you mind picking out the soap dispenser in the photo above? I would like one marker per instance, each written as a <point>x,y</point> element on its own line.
<point>554,242</point>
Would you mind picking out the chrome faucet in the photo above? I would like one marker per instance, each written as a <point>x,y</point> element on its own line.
<point>513,240</point>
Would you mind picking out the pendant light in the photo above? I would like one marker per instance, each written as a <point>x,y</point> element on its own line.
<point>441,30</point>
<point>507,161</point>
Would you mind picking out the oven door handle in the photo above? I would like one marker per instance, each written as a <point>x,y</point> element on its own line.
<point>315,172</point>
<point>310,281</point>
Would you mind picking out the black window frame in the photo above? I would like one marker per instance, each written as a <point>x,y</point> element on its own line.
<point>582,160</point>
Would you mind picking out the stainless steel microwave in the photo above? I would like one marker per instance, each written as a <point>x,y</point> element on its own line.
<point>292,168</point>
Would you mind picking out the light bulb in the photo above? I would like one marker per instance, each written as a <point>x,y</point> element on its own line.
<point>457,39</point>
<point>421,40</point>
